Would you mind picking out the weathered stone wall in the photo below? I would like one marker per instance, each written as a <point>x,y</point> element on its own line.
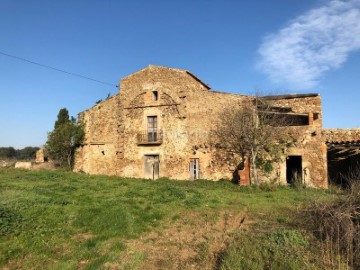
<point>186,111</point>
<point>40,156</point>
<point>310,144</point>
<point>203,116</point>
<point>103,143</point>
<point>341,135</point>
<point>311,147</point>
<point>23,165</point>
<point>101,121</point>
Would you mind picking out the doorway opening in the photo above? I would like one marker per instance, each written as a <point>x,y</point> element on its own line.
<point>294,169</point>
<point>151,166</point>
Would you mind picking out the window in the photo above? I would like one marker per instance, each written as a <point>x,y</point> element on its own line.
<point>152,128</point>
<point>155,95</point>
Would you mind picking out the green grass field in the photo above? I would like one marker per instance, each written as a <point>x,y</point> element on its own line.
<point>63,220</point>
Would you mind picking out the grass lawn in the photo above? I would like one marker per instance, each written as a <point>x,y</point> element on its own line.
<point>63,220</point>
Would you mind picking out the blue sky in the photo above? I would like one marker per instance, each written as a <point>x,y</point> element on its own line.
<point>277,46</point>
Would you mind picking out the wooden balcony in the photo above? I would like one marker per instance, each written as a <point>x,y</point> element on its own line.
<point>150,138</point>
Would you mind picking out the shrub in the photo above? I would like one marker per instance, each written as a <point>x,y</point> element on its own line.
<point>338,226</point>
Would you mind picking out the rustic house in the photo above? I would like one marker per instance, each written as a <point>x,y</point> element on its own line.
<point>159,125</point>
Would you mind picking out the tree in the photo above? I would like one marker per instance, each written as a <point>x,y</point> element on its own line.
<point>26,153</point>
<point>62,117</point>
<point>254,129</point>
<point>63,140</point>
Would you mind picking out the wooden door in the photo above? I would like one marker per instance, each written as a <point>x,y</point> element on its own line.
<point>194,168</point>
<point>151,166</point>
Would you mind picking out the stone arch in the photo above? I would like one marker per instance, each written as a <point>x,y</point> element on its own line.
<point>173,105</point>
<point>139,100</point>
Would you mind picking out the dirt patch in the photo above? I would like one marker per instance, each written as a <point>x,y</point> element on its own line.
<point>193,241</point>
<point>82,237</point>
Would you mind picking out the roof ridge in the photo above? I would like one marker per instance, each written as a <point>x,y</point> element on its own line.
<point>171,68</point>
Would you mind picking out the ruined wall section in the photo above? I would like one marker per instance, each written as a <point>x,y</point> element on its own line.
<point>103,144</point>
<point>309,140</point>
<point>338,135</point>
<point>302,104</point>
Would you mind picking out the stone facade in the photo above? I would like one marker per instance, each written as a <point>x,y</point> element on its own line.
<point>160,123</point>
<point>310,144</point>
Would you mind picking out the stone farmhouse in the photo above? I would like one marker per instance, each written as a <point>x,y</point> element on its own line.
<point>159,125</point>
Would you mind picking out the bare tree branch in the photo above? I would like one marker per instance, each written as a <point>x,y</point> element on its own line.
<point>254,128</point>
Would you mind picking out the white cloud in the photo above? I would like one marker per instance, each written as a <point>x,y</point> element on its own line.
<point>318,41</point>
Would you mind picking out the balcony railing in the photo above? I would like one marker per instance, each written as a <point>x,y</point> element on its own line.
<point>150,138</point>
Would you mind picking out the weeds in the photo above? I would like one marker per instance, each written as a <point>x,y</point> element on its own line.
<point>337,224</point>
<point>278,249</point>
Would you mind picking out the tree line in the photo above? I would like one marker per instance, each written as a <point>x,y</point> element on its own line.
<point>62,142</point>
<point>26,153</point>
